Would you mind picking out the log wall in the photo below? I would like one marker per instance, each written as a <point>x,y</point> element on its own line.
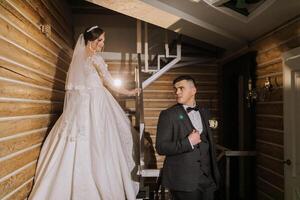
<point>32,76</point>
<point>269,116</point>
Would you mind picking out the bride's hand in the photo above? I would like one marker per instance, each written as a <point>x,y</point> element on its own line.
<point>134,92</point>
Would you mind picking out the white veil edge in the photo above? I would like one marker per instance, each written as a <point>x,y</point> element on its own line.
<point>74,76</point>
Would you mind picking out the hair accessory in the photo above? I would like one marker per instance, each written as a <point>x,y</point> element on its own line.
<point>92,28</point>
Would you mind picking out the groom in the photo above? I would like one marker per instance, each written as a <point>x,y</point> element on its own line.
<point>183,135</point>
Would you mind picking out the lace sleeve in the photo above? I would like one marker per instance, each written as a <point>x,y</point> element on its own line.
<point>102,70</point>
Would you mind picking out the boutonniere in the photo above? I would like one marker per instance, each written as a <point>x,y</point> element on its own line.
<point>213,123</point>
<point>180,117</point>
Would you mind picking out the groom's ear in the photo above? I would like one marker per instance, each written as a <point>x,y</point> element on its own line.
<point>194,90</point>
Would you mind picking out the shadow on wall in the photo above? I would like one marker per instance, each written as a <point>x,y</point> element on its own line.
<point>149,152</point>
<point>57,96</point>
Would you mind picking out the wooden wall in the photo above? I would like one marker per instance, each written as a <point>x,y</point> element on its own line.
<point>32,76</point>
<point>269,117</point>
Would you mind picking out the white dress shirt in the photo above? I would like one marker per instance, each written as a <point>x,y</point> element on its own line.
<point>195,119</point>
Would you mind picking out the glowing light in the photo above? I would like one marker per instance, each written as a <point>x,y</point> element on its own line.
<point>117,82</point>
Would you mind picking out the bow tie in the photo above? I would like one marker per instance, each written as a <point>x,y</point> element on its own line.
<point>189,109</point>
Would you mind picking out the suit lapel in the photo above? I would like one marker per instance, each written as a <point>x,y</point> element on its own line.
<point>203,119</point>
<point>185,118</point>
<point>205,123</point>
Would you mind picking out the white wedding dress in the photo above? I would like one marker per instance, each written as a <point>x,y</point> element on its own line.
<point>88,155</point>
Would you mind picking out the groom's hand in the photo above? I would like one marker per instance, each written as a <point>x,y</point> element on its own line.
<point>194,137</point>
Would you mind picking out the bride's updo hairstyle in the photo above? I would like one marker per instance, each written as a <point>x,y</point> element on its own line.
<point>92,33</point>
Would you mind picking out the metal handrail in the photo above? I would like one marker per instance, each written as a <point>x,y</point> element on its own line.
<point>139,104</point>
<point>139,114</point>
<point>228,154</point>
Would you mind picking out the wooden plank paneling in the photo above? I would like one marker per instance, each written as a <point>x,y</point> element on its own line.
<point>14,181</point>
<point>63,32</point>
<point>151,121</point>
<point>269,69</point>
<point>25,58</point>
<point>155,112</point>
<point>202,77</point>
<point>33,70</point>
<point>9,109</point>
<point>276,38</point>
<point>15,144</point>
<point>64,11</point>
<point>165,103</point>
<point>271,177</point>
<point>14,126</point>
<point>277,51</point>
<point>58,14</point>
<point>22,192</point>
<point>269,131</point>
<point>271,96</point>
<point>19,73</point>
<point>269,122</point>
<point>194,69</point>
<point>14,17</point>
<point>205,94</point>
<point>270,190</point>
<point>167,85</point>
<point>11,33</point>
<point>18,161</point>
<point>24,11</point>
<point>269,135</point>
<point>271,163</point>
<point>121,67</point>
<point>270,149</point>
<point>270,108</point>
<point>17,90</point>
<point>275,80</point>
<point>263,196</point>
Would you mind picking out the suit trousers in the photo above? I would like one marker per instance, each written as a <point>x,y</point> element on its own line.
<point>205,191</point>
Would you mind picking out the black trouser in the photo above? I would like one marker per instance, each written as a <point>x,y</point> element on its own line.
<point>194,195</point>
<point>205,191</point>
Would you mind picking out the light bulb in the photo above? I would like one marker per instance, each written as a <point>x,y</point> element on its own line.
<point>117,82</point>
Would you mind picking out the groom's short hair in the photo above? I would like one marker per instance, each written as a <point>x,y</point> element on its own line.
<point>184,77</point>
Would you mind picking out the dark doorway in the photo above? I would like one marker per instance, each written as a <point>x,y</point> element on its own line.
<point>238,123</point>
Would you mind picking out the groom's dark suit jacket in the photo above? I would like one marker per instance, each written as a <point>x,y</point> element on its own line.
<point>181,167</point>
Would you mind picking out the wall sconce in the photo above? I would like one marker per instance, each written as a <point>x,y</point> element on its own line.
<point>268,85</point>
<point>260,93</point>
<point>46,29</point>
<point>267,89</point>
<point>251,94</point>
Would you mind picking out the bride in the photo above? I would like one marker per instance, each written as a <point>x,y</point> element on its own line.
<point>88,154</point>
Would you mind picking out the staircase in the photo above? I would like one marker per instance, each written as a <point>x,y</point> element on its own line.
<point>158,95</point>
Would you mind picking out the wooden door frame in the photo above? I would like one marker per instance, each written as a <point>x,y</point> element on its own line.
<point>289,113</point>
